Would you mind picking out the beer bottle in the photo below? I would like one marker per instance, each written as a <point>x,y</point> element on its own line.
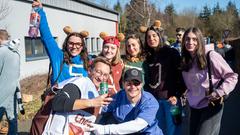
<point>176,114</point>
<point>34,22</point>
<point>103,88</point>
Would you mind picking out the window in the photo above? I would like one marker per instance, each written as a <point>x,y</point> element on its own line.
<point>88,43</point>
<point>99,45</point>
<point>34,49</point>
<point>93,44</point>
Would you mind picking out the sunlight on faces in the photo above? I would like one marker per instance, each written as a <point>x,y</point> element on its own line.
<point>191,43</point>
<point>100,73</point>
<point>152,39</point>
<point>133,89</point>
<point>133,47</point>
<point>109,51</point>
<point>74,45</point>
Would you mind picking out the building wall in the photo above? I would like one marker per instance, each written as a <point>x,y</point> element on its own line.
<point>17,24</point>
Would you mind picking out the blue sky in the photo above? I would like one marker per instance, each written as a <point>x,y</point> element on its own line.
<point>180,5</point>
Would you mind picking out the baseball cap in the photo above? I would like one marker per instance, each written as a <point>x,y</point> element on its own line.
<point>133,74</point>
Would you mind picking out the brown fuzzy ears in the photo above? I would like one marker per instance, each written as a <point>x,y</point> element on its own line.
<point>84,33</point>
<point>103,35</point>
<point>119,36</point>
<point>157,24</point>
<point>68,30</point>
<point>143,29</point>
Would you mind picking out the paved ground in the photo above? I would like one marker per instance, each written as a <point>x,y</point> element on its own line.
<point>230,121</point>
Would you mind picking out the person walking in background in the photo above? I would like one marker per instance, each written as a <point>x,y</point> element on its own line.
<point>162,77</point>
<point>72,59</point>
<point>135,54</point>
<point>9,80</point>
<point>133,108</point>
<point>111,51</point>
<point>179,35</point>
<point>205,119</point>
<point>73,106</point>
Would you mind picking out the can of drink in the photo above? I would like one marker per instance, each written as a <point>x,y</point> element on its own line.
<point>103,88</point>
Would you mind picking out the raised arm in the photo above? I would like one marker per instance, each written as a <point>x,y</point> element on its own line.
<point>46,36</point>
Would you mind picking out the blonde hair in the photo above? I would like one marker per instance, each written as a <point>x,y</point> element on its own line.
<point>116,59</point>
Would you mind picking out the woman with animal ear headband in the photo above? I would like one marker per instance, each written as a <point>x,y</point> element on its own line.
<point>72,59</point>
<point>111,51</point>
<point>162,76</point>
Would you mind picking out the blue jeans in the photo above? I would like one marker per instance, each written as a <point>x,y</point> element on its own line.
<point>165,121</point>
<point>11,112</point>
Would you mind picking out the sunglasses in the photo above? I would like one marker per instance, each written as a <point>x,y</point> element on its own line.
<point>178,34</point>
<point>133,82</point>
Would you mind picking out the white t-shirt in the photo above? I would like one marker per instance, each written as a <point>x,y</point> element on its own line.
<point>75,121</point>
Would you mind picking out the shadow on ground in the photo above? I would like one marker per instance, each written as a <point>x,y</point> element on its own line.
<point>23,133</point>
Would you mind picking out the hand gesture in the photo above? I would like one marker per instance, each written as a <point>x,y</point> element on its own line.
<point>96,128</point>
<point>101,100</point>
<point>173,100</point>
<point>37,3</point>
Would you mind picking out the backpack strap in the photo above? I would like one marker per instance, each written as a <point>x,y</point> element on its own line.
<point>209,73</point>
<point>51,89</point>
<point>49,74</point>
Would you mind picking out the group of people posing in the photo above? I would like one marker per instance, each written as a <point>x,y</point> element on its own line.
<point>143,85</point>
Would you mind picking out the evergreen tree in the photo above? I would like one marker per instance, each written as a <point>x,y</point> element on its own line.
<point>217,9</point>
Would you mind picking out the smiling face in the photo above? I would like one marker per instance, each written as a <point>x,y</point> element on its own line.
<point>152,39</point>
<point>132,47</point>
<point>74,45</point>
<point>133,90</point>
<point>109,51</point>
<point>100,73</point>
<point>191,43</point>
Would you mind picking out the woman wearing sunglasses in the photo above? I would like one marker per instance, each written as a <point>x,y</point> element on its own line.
<point>133,109</point>
<point>72,59</point>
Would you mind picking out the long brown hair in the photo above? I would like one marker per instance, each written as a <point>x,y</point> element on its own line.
<point>150,51</point>
<point>141,54</point>
<point>187,60</point>
<point>83,53</point>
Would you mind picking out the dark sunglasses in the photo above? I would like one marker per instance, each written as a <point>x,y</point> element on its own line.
<point>133,82</point>
<point>178,34</point>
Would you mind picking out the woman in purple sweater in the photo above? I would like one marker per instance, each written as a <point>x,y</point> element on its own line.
<point>204,119</point>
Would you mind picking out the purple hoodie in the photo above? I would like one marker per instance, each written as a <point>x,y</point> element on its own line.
<point>197,81</point>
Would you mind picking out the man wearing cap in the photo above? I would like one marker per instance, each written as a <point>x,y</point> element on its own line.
<point>134,110</point>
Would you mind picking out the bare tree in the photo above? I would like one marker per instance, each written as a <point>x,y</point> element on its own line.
<point>4,9</point>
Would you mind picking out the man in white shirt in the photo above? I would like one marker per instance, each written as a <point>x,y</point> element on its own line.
<point>73,105</point>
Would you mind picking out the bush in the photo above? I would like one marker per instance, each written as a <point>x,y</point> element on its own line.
<point>171,40</point>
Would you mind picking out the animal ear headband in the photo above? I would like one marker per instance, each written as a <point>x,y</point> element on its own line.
<point>112,39</point>
<point>157,24</point>
<point>68,30</point>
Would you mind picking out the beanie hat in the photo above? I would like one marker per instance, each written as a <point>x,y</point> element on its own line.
<point>112,39</point>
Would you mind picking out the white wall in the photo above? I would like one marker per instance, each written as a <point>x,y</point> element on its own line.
<point>17,23</point>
